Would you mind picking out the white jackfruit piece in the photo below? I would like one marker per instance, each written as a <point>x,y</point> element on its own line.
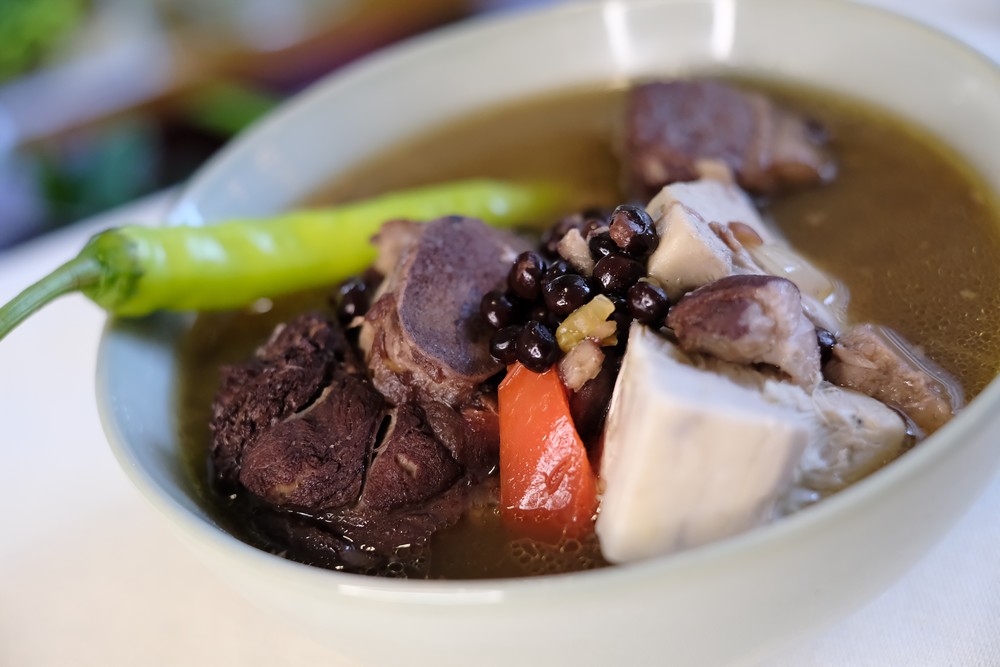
<point>691,254</point>
<point>690,456</point>
<point>852,435</point>
<point>824,298</point>
<point>715,201</point>
<point>698,449</point>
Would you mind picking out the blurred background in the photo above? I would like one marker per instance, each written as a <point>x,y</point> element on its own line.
<point>104,101</point>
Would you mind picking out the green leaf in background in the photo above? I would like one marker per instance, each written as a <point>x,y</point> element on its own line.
<point>106,167</point>
<point>226,107</point>
<point>30,29</point>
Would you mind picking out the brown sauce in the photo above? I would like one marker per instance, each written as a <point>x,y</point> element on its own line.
<point>910,230</point>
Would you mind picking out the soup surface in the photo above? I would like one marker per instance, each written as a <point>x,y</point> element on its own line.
<point>910,230</point>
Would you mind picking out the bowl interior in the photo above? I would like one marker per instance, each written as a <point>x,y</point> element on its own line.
<point>407,90</point>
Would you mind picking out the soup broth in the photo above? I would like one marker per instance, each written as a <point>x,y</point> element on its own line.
<point>905,225</point>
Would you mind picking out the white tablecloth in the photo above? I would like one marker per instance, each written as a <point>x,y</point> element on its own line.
<point>89,575</point>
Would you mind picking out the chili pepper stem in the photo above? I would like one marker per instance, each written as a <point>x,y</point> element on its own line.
<point>76,274</point>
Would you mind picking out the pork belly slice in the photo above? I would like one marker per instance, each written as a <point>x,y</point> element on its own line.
<point>671,128</point>
<point>748,319</point>
<point>423,337</point>
<point>879,362</point>
<point>698,449</point>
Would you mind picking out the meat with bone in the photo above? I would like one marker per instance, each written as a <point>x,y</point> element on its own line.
<point>671,127</point>
<point>749,319</point>
<point>878,362</point>
<point>424,337</point>
<point>315,459</point>
<point>286,375</point>
<point>410,465</point>
<point>393,543</point>
<point>321,474</point>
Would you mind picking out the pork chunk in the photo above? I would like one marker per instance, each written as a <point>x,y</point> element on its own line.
<point>673,127</point>
<point>315,460</point>
<point>425,339</point>
<point>286,375</point>
<point>749,319</point>
<point>878,362</point>
<point>326,467</point>
<point>857,435</point>
<point>411,465</point>
<point>471,433</point>
<point>392,543</point>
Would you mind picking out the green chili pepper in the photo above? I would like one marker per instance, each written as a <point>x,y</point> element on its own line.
<point>134,271</point>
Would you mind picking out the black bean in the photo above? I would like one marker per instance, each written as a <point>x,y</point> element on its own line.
<point>503,345</point>
<point>826,341</point>
<point>623,322</point>
<point>589,405</point>
<point>556,268</point>
<point>615,274</point>
<point>372,278</point>
<point>496,309</point>
<point>647,303</point>
<point>633,230</point>
<point>622,317</point>
<point>536,347</point>
<point>353,299</point>
<point>542,314</point>
<point>525,277</point>
<point>596,216</point>
<point>554,234</point>
<point>567,293</point>
<point>584,223</point>
<point>601,246</point>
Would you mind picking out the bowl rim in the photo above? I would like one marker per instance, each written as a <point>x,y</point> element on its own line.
<point>957,433</point>
<point>184,211</point>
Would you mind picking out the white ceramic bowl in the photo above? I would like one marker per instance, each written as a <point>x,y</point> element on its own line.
<point>729,602</point>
